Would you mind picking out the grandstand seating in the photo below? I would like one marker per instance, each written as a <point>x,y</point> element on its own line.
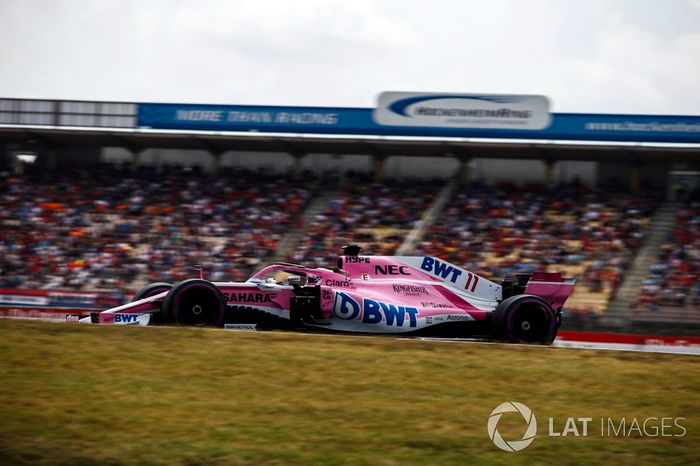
<point>673,286</point>
<point>115,231</point>
<point>506,229</point>
<point>101,230</point>
<point>377,216</point>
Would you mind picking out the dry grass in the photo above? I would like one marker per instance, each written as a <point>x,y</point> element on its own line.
<point>75,394</point>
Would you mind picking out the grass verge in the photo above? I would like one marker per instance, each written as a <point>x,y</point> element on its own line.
<point>78,394</point>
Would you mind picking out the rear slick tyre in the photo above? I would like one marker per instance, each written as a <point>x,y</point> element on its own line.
<point>525,319</point>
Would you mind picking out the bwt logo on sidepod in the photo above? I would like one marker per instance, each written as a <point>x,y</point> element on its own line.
<point>375,312</point>
<point>344,307</point>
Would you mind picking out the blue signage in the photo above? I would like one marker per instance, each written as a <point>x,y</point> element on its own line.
<point>359,121</point>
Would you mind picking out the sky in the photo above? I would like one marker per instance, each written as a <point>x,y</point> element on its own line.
<point>614,56</point>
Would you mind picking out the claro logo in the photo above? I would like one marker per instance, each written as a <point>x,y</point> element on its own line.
<point>528,436</point>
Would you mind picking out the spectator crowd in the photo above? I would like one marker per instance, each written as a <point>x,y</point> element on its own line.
<point>377,216</point>
<point>101,230</point>
<point>507,229</point>
<point>673,280</point>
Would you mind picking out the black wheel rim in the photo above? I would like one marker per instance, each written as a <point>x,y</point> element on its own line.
<point>530,323</point>
<point>197,305</point>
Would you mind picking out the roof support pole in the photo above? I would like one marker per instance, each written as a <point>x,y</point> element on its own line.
<point>135,160</point>
<point>379,167</point>
<point>297,163</point>
<point>5,162</point>
<point>548,172</point>
<point>17,166</point>
<point>464,174</point>
<point>216,161</point>
<point>635,177</point>
<point>51,160</point>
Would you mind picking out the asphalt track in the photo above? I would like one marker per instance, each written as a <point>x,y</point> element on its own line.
<point>667,349</point>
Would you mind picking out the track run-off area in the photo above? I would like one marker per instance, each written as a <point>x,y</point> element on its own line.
<point>688,345</point>
<point>108,394</point>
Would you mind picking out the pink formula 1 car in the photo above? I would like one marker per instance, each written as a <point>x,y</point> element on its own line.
<point>363,294</point>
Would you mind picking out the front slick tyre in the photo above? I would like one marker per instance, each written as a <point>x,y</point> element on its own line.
<point>151,289</point>
<point>195,302</point>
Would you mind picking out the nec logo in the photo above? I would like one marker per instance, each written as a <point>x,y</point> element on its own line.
<point>126,318</point>
<point>391,270</point>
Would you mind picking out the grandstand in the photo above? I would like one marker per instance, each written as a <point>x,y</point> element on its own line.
<point>671,290</point>
<point>591,235</point>
<point>376,216</point>
<point>97,197</point>
<point>90,231</point>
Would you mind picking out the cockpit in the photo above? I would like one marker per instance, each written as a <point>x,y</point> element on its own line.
<point>284,277</point>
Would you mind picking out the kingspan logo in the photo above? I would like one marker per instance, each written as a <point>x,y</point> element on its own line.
<point>512,445</point>
<point>463,110</point>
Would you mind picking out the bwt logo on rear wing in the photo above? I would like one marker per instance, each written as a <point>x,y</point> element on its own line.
<point>455,277</point>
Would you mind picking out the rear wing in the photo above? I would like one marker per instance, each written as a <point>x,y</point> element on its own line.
<point>551,286</point>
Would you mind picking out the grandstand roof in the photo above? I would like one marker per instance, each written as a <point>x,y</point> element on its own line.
<point>136,140</point>
<point>328,130</point>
